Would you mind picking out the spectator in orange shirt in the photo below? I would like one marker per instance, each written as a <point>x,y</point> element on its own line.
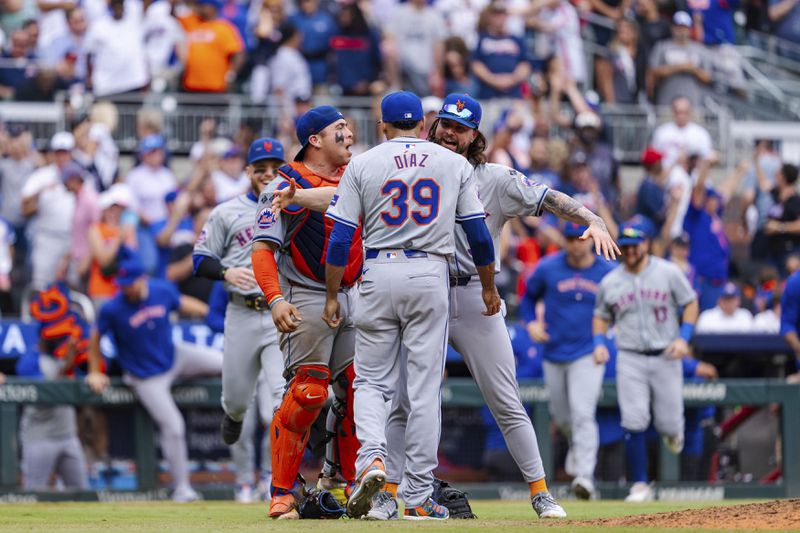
<point>214,50</point>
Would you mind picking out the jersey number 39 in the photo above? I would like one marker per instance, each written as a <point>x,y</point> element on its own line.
<point>425,207</point>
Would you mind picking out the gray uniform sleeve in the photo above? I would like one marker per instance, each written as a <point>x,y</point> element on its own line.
<point>682,291</point>
<point>268,226</point>
<point>469,206</point>
<point>345,206</point>
<point>213,239</point>
<point>602,308</point>
<point>521,196</point>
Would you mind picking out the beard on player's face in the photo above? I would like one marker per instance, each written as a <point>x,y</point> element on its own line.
<point>633,255</point>
<point>453,136</point>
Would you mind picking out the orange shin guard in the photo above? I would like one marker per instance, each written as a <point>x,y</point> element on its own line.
<point>347,443</point>
<point>289,433</point>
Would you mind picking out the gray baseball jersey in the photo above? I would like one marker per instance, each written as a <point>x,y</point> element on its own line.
<point>399,188</point>
<point>644,307</point>
<point>505,194</point>
<point>227,234</point>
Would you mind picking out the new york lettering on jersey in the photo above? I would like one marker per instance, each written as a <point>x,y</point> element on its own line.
<point>302,234</point>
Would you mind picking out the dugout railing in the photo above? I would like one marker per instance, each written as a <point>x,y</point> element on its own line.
<point>456,392</point>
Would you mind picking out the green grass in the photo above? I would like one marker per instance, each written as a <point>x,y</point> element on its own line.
<point>203,517</point>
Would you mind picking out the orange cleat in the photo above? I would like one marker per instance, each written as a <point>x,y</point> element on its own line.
<point>283,507</point>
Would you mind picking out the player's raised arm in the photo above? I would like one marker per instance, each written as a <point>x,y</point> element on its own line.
<point>316,199</point>
<point>569,209</point>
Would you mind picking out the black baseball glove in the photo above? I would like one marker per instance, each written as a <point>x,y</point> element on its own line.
<point>455,500</point>
<point>321,505</point>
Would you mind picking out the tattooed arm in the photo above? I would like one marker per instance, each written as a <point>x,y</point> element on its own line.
<point>567,208</point>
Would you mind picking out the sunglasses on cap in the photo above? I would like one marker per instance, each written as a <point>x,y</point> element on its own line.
<point>466,114</point>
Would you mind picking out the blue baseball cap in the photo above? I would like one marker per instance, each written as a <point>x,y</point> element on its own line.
<point>400,106</point>
<point>632,233</point>
<point>130,269</point>
<point>265,148</point>
<point>152,142</point>
<point>730,290</point>
<point>72,170</point>
<point>171,196</point>
<point>312,122</point>
<point>574,230</point>
<point>461,108</point>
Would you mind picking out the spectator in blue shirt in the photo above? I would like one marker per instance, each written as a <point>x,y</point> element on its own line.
<point>790,315</point>
<point>356,52</point>
<point>567,283</point>
<point>18,67</point>
<point>317,27</point>
<point>709,249</point>
<point>785,17</point>
<point>174,231</point>
<point>499,62</point>
<point>651,200</point>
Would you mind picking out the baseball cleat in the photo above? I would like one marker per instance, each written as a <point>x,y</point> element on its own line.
<point>384,507</point>
<point>283,506</point>
<point>244,494</point>
<point>185,495</point>
<point>546,506</point>
<point>583,488</point>
<point>370,484</point>
<point>640,492</point>
<point>674,444</point>
<point>430,510</point>
<point>231,429</point>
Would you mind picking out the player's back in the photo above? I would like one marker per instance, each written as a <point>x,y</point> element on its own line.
<point>412,193</point>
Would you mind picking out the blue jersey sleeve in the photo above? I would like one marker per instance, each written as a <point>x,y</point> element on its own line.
<point>534,291</point>
<point>339,243</point>
<point>790,305</point>
<point>104,319</point>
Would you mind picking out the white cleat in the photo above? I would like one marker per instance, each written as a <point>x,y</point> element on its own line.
<point>674,444</point>
<point>185,495</point>
<point>583,488</point>
<point>244,494</point>
<point>546,506</point>
<point>640,492</point>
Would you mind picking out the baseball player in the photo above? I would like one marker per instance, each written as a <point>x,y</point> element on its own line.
<point>314,355</point>
<point>222,252</point>
<point>137,319</point>
<point>483,341</point>
<point>409,193</point>
<point>654,309</point>
<point>567,282</point>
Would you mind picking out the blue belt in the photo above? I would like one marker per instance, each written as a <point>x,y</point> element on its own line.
<point>373,253</point>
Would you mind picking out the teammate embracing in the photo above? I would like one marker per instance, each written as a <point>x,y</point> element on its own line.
<point>314,354</point>
<point>222,252</point>
<point>654,309</point>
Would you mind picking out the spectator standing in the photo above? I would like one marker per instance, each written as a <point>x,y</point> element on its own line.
<point>150,181</point>
<point>540,171</point>
<point>567,282</point>
<point>681,136</point>
<point>18,66</point>
<point>709,250</point>
<point>599,153</point>
<point>16,166</point>
<point>87,212</point>
<point>785,17</point>
<point>628,64</point>
<point>115,47</point>
<point>559,27</point>
<point>214,52</point>
<point>790,315</point>
<point>52,20</point>
<point>782,228</point>
<point>174,231</point>
<point>356,52</point>
<point>457,77</point>
<point>163,36</point>
<point>757,192</point>
<point>137,320</point>
<point>679,66</point>
<point>289,75</point>
<point>727,316</point>
<point>15,13</point>
<point>317,27</point>
<point>418,32</point>
<point>678,254</point>
<point>652,26</point>
<point>651,198</point>
<point>229,179</point>
<point>714,19</point>
<point>114,230</point>
<point>499,62</point>
<point>71,42</point>
<point>45,198</point>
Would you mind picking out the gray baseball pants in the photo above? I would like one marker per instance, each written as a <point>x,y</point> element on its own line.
<point>650,381</point>
<point>42,457</point>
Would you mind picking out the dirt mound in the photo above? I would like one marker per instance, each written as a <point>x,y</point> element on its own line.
<point>776,515</point>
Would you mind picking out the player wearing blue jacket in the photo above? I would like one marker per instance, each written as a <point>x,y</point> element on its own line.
<point>137,320</point>
<point>790,315</point>
<point>567,283</point>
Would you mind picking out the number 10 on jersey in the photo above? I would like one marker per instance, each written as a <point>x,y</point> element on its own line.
<point>424,202</point>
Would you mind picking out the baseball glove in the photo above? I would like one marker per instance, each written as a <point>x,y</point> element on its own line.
<point>455,500</point>
<point>321,505</point>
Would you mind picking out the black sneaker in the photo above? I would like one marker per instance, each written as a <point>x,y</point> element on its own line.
<point>231,429</point>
